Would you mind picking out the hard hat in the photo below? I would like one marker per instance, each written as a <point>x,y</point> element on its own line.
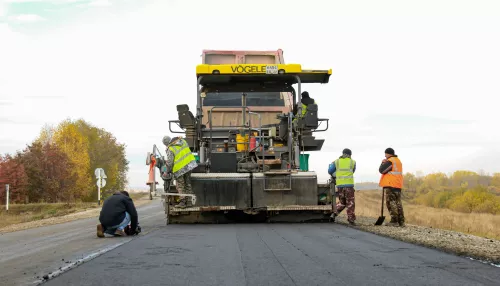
<point>166,140</point>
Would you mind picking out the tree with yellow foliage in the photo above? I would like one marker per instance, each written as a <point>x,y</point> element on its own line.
<point>68,138</point>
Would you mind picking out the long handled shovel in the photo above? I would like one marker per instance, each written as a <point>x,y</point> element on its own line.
<point>381,218</point>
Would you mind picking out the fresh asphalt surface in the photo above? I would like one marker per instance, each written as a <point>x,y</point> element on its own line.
<point>233,254</point>
<point>28,254</point>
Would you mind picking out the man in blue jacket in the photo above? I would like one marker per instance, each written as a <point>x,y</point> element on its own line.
<point>343,170</point>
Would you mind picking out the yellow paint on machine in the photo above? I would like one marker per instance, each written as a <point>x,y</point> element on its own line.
<point>254,69</point>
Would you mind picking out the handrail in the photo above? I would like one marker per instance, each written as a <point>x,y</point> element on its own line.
<point>177,122</point>
<point>260,135</point>
<point>321,120</point>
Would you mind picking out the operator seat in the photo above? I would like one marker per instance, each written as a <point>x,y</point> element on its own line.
<point>186,117</point>
<point>311,117</point>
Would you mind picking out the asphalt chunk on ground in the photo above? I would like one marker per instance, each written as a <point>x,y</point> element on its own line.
<point>274,254</point>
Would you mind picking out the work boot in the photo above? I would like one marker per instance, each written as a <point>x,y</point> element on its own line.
<point>333,217</point>
<point>352,223</point>
<point>182,204</point>
<point>120,232</point>
<point>392,224</point>
<point>402,224</point>
<point>100,230</point>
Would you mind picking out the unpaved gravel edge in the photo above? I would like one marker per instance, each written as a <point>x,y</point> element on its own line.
<point>453,242</point>
<point>66,218</point>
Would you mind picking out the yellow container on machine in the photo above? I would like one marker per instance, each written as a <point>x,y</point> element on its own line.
<point>242,142</point>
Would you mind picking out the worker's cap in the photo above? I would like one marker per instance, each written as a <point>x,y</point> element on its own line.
<point>347,151</point>
<point>389,151</point>
<point>166,140</point>
<point>305,94</point>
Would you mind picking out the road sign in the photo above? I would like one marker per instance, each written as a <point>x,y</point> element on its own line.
<point>99,173</point>
<point>101,182</point>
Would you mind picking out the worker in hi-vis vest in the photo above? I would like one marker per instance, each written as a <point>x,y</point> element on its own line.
<point>305,101</point>
<point>180,162</point>
<point>343,170</point>
<point>391,181</point>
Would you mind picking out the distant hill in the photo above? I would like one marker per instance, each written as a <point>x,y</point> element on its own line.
<point>366,186</point>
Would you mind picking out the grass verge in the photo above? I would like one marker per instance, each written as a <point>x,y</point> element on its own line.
<point>24,216</point>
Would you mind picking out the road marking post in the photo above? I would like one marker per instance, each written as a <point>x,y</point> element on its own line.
<point>7,197</point>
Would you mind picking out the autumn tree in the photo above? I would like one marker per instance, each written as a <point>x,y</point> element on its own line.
<point>50,175</point>
<point>105,152</point>
<point>12,172</point>
<point>465,179</point>
<point>68,138</point>
<point>46,135</point>
<point>495,181</point>
<point>59,165</point>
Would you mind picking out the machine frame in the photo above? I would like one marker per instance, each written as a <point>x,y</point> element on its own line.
<point>246,78</point>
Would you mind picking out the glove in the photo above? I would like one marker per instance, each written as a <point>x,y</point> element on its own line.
<point>129,231</point>
<point>166,176</point>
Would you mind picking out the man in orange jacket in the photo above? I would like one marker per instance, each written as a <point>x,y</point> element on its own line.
<point>392,183</point>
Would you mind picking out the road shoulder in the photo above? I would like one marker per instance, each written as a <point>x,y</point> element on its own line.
<point>466,245</point>
<point>66,218</point>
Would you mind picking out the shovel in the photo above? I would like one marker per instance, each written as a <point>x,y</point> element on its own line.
<point>381,218</point>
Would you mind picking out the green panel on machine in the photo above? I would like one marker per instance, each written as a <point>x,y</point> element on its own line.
<point>304,162</point>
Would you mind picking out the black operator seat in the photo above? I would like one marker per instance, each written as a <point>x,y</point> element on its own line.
<point>186,117</point>
<point>311,117</point>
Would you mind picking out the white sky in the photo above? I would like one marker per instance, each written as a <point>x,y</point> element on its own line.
<point>419,76</point>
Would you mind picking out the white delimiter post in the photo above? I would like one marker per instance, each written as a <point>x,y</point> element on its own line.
<point>7,197</point>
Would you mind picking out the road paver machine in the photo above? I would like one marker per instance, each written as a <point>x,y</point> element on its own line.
<point>250,137</point>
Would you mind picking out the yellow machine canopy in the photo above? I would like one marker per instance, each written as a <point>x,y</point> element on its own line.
<point>254,73</point>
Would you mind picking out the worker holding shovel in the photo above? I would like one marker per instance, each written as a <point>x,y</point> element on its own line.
<point>392,183</point>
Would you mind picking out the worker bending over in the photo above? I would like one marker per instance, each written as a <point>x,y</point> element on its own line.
<point>344,168</point>
<point>181,162</point>
<point>116,214</point>
<point>392,183</point>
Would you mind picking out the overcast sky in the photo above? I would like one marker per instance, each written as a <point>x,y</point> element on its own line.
<point>419,76</point>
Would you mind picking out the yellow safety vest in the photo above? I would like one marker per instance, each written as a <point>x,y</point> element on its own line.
<point>304,111</point>
<point>344,171</point>
<point>183,155</point>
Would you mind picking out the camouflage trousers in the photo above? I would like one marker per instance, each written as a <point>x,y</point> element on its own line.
<point>346,199</point>
<point>184,184</point>
<point>394,205</point>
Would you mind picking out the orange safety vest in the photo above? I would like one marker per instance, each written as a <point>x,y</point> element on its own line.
<point>393,178</point>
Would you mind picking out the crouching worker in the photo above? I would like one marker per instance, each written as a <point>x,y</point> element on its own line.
<point>116,214</point>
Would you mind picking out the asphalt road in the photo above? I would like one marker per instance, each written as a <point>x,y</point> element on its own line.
<point>28,254</point>
<point>274,254</point>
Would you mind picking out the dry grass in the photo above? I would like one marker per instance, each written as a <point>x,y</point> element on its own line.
<point>24,216</point>
<point>484,225</point>
<point>31,212</point>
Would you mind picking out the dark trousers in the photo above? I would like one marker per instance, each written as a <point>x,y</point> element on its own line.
<point>394,205</point>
